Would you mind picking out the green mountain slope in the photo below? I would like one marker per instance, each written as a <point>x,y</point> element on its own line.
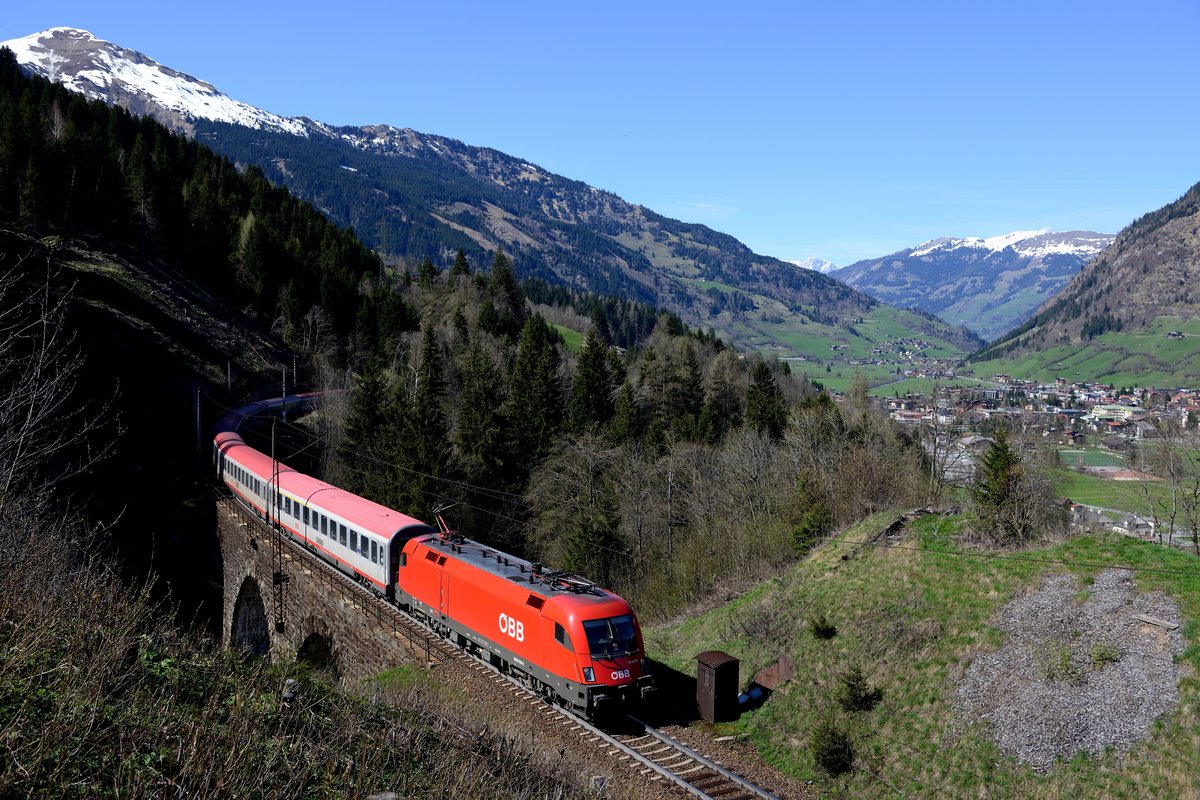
<point>1128,317</point>
<point>414,195</point>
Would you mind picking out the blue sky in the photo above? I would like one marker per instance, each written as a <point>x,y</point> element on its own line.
<point>843,131</point>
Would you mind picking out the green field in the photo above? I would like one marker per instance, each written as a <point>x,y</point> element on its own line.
<point>1092,490</point>
<point>1091,458</point>
<point>572,337</point>
<point>913,618</point>
<point>1145,357</point>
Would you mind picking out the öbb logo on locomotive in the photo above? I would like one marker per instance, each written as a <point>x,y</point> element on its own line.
<point>516,629</point>
<point>577,645</point>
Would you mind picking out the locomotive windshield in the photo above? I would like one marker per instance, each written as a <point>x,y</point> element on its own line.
<point>615,636</point>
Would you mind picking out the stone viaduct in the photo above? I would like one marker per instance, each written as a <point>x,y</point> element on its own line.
<point>327,619</point>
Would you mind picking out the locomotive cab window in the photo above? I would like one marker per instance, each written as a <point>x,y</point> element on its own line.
<point>611,637</point>
<point>562,637</point>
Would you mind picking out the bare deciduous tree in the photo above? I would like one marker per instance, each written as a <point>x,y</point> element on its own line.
<point>1174,455</point>
<point>948,461</point>
<point>44,437</point>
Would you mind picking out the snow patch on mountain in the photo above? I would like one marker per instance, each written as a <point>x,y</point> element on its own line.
<point>1027,244</point>
<point>816,264</point>
<point>100,70</point>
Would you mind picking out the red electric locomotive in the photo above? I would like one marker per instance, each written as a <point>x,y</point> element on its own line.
<point>563,637</point>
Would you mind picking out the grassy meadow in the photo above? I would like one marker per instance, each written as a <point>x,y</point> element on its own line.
<point>911,617</point>
<point>1141,357</point>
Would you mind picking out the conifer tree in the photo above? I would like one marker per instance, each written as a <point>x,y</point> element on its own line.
<point>460,268</point>
<point>600,325</point>
<point>427,274</point>
<point>591,395</point>
<point>536,405</point>
<point>686,393</point>
<point>999,468</point>
<point>363,456</point>
<point>507,296</point>
<point>424,444</point>
<point>480,434</point>
<point>594,545</point>
<point>722,411</point>
<point>627,423</point>
<point>766,410</point>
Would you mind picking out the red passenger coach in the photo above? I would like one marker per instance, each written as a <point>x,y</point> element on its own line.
<point>558,634</point>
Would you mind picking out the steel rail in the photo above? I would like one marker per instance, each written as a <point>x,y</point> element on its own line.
<point>714,766</point>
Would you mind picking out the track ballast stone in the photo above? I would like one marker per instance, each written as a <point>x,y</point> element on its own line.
<point>1077,672</point>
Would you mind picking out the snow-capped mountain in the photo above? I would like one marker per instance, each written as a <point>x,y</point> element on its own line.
<point>1028,244</point>
<point>105,71</point>
<point>816,265</point>
<point>988,284</point>
<point>418,195</point>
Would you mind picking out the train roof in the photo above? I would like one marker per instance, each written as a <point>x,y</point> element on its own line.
<point>363,514</point>
<point>525,574</point>
<point>232,419</point>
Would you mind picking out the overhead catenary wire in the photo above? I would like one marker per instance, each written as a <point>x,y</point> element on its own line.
<point>494,494</point>
<point>497,494</point>
<point>517,500</point>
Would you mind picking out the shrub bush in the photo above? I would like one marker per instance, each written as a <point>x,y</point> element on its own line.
<point>831,748</point>
<point>854,693</point>
<point>821,627</point>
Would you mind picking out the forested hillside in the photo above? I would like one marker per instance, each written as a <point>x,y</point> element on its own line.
<point>75,168</point>
<point>419,196</point>
<point>663,471</point>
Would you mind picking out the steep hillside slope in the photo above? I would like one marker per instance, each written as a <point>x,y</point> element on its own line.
<point>918,614</point>
<point>416,195</point>
<point>990,285</point>
<point>1129,316</point>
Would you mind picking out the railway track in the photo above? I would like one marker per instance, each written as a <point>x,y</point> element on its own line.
<point>656,755</point>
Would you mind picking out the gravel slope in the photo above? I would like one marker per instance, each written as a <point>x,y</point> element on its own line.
<point>1077,672</point>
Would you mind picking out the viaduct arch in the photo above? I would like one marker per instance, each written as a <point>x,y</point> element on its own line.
<point>328,621</point>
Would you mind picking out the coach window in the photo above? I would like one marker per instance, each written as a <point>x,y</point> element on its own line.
<point>321,517</point>
<point>353,540</point>
<point>374,552</point>
<point>306,515</point>
<point>342,534</point>
<point>562,637</point>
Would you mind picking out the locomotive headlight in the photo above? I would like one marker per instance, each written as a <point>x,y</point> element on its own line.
<point>589,674</point>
